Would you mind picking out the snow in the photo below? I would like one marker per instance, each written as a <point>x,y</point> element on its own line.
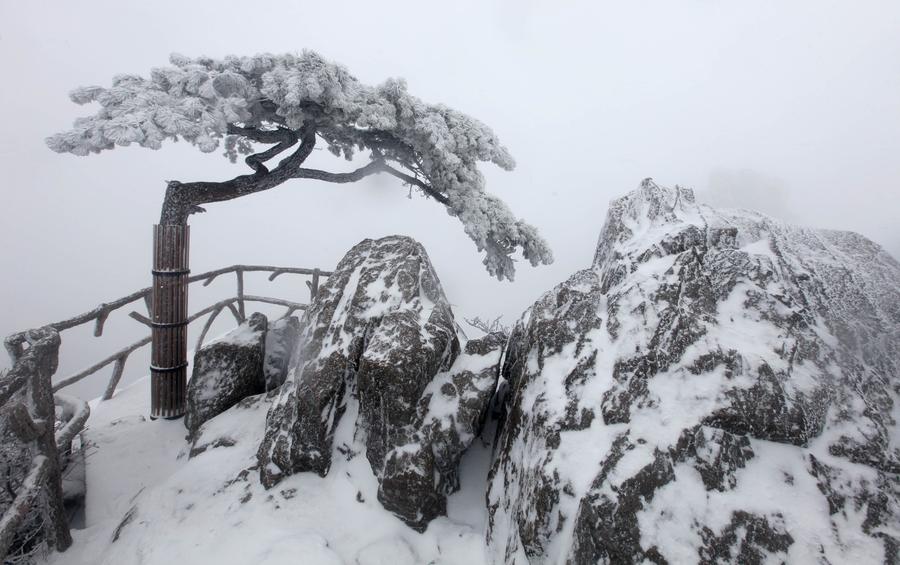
<point>190,510</point>
<point>760,247</point>
<point>242,336</point>
<point>668,520</point>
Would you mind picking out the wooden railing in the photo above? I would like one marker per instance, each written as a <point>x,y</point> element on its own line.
<point>35,355</point>
<point>235,305</point>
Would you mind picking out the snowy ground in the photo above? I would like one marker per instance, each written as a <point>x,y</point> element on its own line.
<point>149,503</point>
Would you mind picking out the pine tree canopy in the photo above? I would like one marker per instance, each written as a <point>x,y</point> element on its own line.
<point>289,103</point>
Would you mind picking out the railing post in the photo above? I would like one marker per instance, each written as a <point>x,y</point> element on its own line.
<point>314,287</point>
<point>168,356</point>
<point>118,367</point>
<point>39,364</point>
<point>240,293</point>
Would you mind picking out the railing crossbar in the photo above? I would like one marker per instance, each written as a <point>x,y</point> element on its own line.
<point>121,355</point>
<point>101,312</point>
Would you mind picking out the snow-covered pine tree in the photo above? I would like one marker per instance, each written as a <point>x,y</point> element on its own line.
<point>289,103</point>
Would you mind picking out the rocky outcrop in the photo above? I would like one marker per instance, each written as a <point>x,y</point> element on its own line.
<point>378,372</point>
<point>226,371</point>
<point>718,387</point>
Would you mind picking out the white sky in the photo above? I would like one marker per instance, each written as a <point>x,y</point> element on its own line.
<point>789,107</point>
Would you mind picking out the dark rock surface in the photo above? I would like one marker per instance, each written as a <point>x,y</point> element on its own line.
<point>719,387</point>
<point>226,371</point>
<point>450,415</point>
<point>282,339</point>
<point>379,374</point>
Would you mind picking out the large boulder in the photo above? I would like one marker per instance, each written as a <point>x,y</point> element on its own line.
<point>417,476</point>
<point>226,371</point>
<point>719,387</point>
<point>377,346</point>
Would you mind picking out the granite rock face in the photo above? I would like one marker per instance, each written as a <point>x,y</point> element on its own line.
<point>379,374</point>
<point>226,371</point>
<point>719,387</point>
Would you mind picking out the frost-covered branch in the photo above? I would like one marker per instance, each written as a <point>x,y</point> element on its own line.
<point>417,183</point>
<point>283,100</point>
<point>489,326</point>
<point>353,176</point>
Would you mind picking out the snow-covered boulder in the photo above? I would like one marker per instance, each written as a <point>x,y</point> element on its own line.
<point>226,371</point>
<point>281,341</point>
<point>718,387</point>
<point>418,476</point>
<point>374,344</point>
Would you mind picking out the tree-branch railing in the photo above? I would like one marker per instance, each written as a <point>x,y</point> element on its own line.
<point>236,305</point>
<point>27,409</point>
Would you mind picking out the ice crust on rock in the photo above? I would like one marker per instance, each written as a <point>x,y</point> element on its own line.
<point>718,387</point>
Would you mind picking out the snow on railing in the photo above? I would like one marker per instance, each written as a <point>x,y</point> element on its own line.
<point>35,358</point>
<point>74,413</point>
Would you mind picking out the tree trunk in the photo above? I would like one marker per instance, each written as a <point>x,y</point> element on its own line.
<point>168,357</point>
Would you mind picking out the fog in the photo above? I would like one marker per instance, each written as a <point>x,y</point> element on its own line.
<point>790,108</point>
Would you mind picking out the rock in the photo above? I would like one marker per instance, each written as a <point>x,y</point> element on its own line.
<point>226,371</point>
<point>418,475</point>
<point>374,345</point>
<point>282,339</point>
<point>747,539</point>
<point>710,366</point>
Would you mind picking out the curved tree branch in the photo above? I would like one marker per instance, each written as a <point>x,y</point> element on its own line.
<point>377,166</point>
<point>283,137</point>
<point>353,176</point>
<point>183,199</point>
